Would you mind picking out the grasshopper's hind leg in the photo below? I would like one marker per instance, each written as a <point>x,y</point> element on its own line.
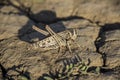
<point>58,39</point>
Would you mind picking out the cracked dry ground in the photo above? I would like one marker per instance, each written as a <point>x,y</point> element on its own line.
<point>17,59</point>
<point>98,44</point>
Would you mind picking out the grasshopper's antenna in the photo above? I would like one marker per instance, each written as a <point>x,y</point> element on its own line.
<point>40,30</point>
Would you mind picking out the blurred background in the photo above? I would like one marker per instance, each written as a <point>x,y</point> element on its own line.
<point>104,11</point>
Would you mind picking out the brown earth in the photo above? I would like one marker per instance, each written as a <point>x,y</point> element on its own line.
<point>98,39</point>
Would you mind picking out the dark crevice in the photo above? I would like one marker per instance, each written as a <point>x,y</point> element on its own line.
<point>2,40</point>
<point>21,8</point>
<point>106,70</point>
<point>14,68</point>
<point>4,72</point>
<point>104,59</point>
<point>115,70</point>
<point>3,3</point>
<point>100,41</point>
<point>103,30</point>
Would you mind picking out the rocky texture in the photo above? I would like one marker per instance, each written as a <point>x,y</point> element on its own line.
<point>18,59</point>
<point>14,53</point>
<point>101,77</point>
<point>100,45</point>
<point>1,76</point>
<point>111,47</point>
<point>11,23</point>
<point>97,11</point>
<point>52,10</point>
<point>94,61</point>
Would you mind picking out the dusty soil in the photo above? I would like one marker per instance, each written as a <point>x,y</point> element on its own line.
<point>98,23</point>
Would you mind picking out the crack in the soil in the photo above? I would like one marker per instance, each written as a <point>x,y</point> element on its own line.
<point>4,72</point>
<point>2,40</point>
<point>98,43</point>
<point>101,42</point>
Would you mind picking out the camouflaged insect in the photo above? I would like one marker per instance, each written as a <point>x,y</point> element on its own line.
<point>56,40</point>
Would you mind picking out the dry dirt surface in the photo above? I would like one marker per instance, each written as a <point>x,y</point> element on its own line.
<point>95,52</point>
